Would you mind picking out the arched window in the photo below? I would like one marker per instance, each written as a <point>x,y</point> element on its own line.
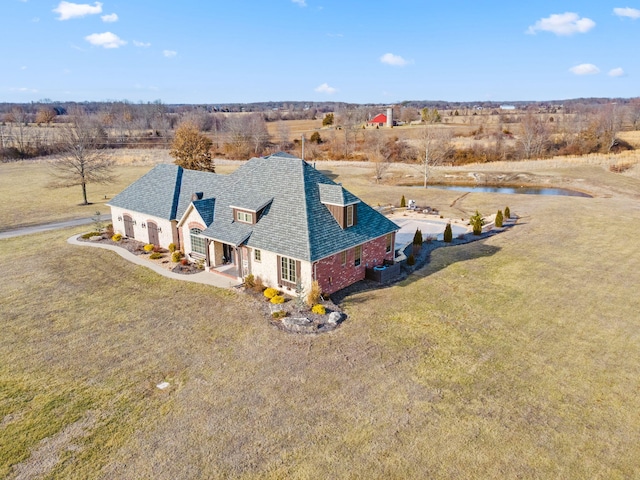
<point>198,244</point>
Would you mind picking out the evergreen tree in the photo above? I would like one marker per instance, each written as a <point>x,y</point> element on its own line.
<point>448,234</point>
<point>403,202</point>
<point>417,237</point>
<point>499,219</point>
<point>507,212</point>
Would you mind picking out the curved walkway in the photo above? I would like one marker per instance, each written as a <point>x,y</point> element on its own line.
<point>206,278</point>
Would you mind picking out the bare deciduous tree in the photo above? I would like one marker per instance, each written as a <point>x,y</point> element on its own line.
<point>82,159</point>
<point>378,152</point>
<point>534,136</point>
<point>246,134</point>
<point>435,147</point>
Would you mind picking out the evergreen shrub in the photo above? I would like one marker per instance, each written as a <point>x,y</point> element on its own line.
<point>447,236</point>
<point>270,292</point>
<point>277,299</point>
<point>319,309</point>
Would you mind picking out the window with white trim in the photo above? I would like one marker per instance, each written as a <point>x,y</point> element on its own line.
<point>357,251</point>
<point>257,255</point>
<point>288,269</point>
<point>198,243</point>
<point>350,216</point>
<point>244,217</point>
<point>344,257</point>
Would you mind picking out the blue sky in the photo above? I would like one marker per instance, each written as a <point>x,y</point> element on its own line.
<point>371,51</point>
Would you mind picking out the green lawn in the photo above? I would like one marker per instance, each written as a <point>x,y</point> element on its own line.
<point>511,357</point>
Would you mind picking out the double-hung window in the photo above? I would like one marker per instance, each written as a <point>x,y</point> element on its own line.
<point>350,216</point>
<point>357,255</point>
<point>288,270</point>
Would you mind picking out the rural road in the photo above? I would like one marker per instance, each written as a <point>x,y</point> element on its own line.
<point>50,226</point>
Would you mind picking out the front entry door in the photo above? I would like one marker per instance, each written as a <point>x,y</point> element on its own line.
<point>153,233</point>
<point>227,252</point>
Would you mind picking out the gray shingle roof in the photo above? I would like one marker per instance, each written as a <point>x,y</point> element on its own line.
<point>205,208</point>
<point>295,222</point>
<point>336,195</point>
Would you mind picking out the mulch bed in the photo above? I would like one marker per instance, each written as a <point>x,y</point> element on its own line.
<point>137,248</point>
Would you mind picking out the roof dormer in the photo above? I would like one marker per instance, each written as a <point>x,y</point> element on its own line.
<point>340,203</point>
<point>250,210</point>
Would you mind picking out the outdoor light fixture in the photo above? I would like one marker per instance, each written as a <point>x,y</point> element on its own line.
<point>144,225</point>
<point>159,229</point>
<point>119,219</point>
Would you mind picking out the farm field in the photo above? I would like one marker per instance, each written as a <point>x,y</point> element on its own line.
<point>509,357</point>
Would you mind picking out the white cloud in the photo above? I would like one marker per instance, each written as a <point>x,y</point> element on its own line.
<point>616,72</point>
<point>112,17</point>
<point>302,3</point>
<point>68,10</point>
<point>325,88</point>
<point>585,69</point>
<point>563,24</point>
<point>169,53</point>
<point>627,12</point>
<point>24,90</point>
<point>141,44</point>
<point>106,40</point>
<point>395,60</point>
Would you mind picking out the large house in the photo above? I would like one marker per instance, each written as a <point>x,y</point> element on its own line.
<point>276,217</point>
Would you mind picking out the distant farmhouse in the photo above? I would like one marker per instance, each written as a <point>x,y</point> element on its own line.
<point>276,217</point>
<point>382,120</point>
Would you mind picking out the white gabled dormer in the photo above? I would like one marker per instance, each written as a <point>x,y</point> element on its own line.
<point>340,203</point>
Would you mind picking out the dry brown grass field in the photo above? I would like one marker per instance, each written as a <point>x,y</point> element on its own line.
<point>511,357</point>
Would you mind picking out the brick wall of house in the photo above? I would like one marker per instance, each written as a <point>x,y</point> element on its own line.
<point>332,275</point>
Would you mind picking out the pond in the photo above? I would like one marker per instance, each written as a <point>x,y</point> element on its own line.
<point>514,190</point>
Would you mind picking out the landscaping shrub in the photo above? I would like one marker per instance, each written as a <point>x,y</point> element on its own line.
<point>476,222</point>
<point>176,256</point>
<point>250,281</point>
<point>417,237</point>
<point>109,229</point>
<point>411,260</point>
<point>117,237</point>
<point>447,236</point>
<point>270,292</point>
<point>403,202</point>
<point>172,247</point>
<point>88,235</point>
<point>499,219</point>
<point>507,212</point>
<point>277,299</point>
<point>319,309</point>
<point>314,295</point>
<point>148,247</point>
<point>259,286</point>
<point>184,261</point>
<point>155,255</point>
<point>279,314</point>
